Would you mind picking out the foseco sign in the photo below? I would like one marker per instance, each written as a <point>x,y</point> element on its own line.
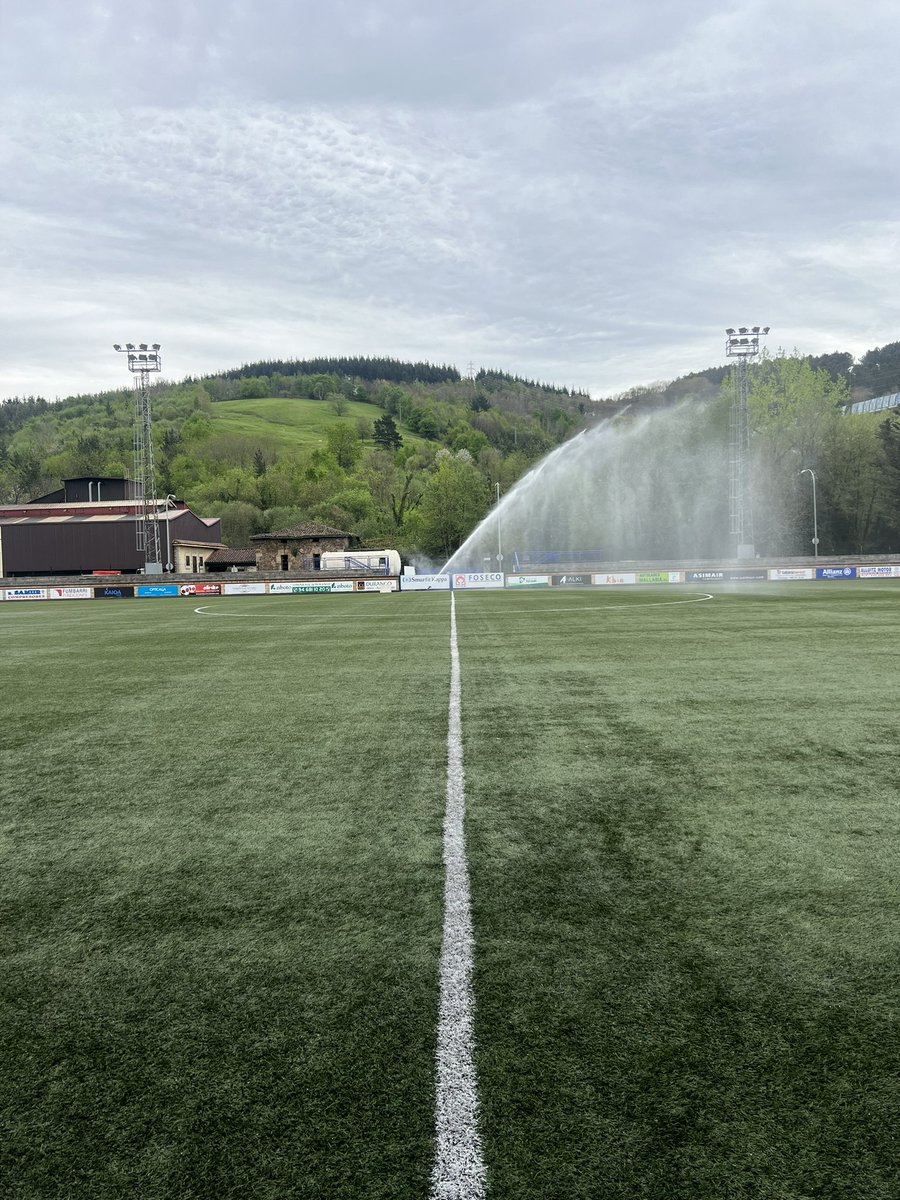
<point>479,580</point>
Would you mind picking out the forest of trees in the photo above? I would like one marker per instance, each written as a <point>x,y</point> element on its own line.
<point>421,470</point>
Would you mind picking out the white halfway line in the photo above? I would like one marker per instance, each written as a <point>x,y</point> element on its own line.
<point>458,1172</point>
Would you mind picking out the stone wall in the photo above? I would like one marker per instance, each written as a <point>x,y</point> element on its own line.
<point>300,552</point>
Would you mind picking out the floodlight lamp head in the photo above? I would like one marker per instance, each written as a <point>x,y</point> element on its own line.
<point>729,332</point>
<point>155,346</point>
<point>766,330</point>
<point>743,329</point>
<point>143,346</point>
<point>755,329</point>
<point>129,345</point>
<point>116,346</point>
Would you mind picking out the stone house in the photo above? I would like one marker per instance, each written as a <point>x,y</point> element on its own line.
<point>299,548</point>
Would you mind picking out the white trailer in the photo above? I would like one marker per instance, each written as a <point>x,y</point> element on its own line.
<point>381,562</point>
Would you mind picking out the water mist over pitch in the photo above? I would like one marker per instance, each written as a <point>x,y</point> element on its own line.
<point>652,487</point>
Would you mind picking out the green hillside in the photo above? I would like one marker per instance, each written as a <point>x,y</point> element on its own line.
<point>413,459</point>
<point>402,461</point>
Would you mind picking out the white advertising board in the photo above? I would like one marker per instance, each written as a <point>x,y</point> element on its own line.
<point>882,571</point>
<point>25,594</point>
<point>792,573</point>
<point>425,583</point>
<point>615,580</point>
<point>514,581</point>
<point>379,585</point>
<point>478,580</point>
<point>70,593</point>
<point>243,589</point>
<point>305,588</point>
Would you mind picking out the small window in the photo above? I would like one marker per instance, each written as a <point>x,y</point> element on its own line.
<point>201,562</point>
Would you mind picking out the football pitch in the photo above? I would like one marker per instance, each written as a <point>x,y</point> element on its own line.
<point>223,893</point>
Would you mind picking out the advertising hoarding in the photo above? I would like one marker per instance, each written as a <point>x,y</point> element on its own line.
<point>305,589</point>
<point>791,573</point>
<point>70,593</point>
<point>424,583</point>
<point>722,575</point>
<point>478,580</point>
<point>660,576</point>
<point>523,581</point>
<point>748,575</point>
<point>157,589</point>
<point>572,580</point>
<point>25,594</point>
<point>882,571</point>
<point>835,572</point>
<point>114,591</point>
<point>200,589</point>
<point>375,585</point>
<point>619,580</point>
<point>243,589</point>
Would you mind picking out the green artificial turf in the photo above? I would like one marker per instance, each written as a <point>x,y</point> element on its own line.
<point>683,838</point>
<point>221,880</point>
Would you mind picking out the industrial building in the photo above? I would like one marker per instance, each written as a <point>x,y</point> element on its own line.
<point>89,525</point>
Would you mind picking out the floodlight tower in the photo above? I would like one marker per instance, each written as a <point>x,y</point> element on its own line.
<point>743,346</point>
<point>142,362</point>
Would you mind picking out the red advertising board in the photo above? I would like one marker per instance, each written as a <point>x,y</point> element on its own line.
<point>201,589</point>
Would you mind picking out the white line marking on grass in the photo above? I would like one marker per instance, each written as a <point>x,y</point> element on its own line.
<point>458,1171</point>
<point>698,599</point>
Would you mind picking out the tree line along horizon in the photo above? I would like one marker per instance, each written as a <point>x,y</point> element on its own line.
<point>410,454</point>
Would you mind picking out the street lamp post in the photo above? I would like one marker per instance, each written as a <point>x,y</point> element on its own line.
<point>170,566</point>
<point>815,540</point>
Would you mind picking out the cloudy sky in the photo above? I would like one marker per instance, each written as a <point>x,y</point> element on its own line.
<point>577,192</point>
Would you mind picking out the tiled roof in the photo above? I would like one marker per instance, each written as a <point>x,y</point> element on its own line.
<point>243,556</point>
<point>304,530</point>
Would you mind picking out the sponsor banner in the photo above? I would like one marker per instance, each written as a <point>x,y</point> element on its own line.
<point>243,589</point>
<point>114,591</point>
<point>528,580</point>
<point>303,589</point>
<point>571,580</point>
<point>70,593</point>
<point>615,580</point>
<point>26,594</point>
<point>880,572</point>
<point>157,589</point>
<point>478,580</point>
<point>424,583</point>
<point>660,576</point>
<point>200,589</point>
<point>706,576</point>
<point>791,573</point>
<point>748,575</point>
<point>376,585</point>
<point>835,572</point>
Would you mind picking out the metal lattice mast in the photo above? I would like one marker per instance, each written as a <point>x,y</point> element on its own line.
<point>142,362</point>
<point>743,346</point>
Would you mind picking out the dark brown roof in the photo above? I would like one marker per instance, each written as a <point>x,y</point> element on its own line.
<point>304,530</point>
<point>243,556</point>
